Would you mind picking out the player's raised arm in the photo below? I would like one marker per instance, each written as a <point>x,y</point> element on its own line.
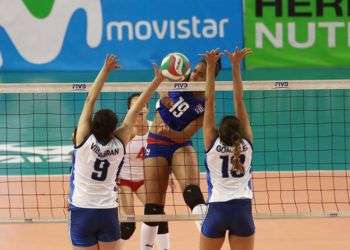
<point>235,58</point>
<point>209,129</point>
<point>85,120</point>
<point>125,130</point>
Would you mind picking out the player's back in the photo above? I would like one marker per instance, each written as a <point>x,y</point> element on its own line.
<point>224,184</point>
<point>94,172</point>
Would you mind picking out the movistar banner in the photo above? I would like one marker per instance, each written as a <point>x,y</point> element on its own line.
<point>302,33</point>
<point>76,35</point>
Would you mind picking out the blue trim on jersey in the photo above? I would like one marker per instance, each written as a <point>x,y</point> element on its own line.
<point>89,226</point>
<point>121,164</point>
<point>210,185</point>
<point>234,216</point>
<point>250,182</point>
<point>71,178</point>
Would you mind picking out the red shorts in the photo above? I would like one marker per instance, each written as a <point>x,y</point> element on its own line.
<point>134,185</point>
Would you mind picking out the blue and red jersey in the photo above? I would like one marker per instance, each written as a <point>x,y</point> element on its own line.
<point>185,109</point>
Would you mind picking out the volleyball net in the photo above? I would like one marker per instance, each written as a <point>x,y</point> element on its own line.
<point>301,157</point>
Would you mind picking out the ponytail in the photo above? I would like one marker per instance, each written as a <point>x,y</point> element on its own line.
<point>236,164</point>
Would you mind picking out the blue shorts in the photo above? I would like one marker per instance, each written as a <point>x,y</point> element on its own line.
<point>161,146</point>
<point>88,226</point>
<point>234,216</point>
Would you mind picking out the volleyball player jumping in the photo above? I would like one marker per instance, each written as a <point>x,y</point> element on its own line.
<point>169,149</point>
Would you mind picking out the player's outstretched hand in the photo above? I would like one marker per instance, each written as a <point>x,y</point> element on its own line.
<point>237,56</point>
<point>212,56</point>
<point>111,62</point>
<point>158,76</point>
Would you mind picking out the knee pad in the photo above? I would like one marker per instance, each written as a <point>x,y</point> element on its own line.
<point>127,229</point>
<point>193,196</point>
<point>151,208</point>
<point>163,228</point>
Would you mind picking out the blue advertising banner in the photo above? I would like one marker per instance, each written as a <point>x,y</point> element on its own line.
<point>75,35</point>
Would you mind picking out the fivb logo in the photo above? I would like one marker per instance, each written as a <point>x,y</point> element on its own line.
<point>38,33</point>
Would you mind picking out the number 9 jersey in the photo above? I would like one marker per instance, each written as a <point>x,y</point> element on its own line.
<point>94,171</point>
<point>225,183</point>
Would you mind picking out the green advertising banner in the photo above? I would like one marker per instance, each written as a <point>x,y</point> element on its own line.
<point>297,33</point>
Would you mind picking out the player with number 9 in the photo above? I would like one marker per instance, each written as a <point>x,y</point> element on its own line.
<point>99,152</point>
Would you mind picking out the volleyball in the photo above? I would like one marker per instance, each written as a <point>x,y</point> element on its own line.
<point>175,66</point>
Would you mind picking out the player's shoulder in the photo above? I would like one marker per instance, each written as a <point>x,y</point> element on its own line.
<point>90,137</point>
<point>247,143</point>
<point>213,144</point>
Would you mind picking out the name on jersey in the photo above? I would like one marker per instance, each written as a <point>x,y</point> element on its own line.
<point>227,149</point>
<point>103,154</point>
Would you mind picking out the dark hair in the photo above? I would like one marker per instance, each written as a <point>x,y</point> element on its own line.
<point>230,130</point>
<point>103,124</point>
<point>231,134</point>
<point>136,94</point>
<point>218,65</point>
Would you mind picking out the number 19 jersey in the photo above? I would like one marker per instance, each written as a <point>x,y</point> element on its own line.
<point>224,184</point>
<point>94,171</point>
<point>186,108</point>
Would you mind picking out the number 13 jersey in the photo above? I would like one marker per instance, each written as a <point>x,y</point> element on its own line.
<point>225,184</point>
<point>94,171</point>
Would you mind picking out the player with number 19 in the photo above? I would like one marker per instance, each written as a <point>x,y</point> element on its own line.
<point>169,148</point>
<point>228,163</point>
<point>99,153</point>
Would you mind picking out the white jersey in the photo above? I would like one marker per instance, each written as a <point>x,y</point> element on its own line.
<point>224,185</point>
<point>94,171</point>
<point>133,167</point>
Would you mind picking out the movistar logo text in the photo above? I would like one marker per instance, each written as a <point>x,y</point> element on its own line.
<point>37,29</point>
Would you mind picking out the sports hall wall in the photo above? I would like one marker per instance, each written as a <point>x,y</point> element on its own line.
<point>66,42</point>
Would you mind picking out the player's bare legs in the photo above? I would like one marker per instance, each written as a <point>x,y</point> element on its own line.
<point>156,183</point>
<point>94,247</point>
<point>186,171</point>
<point>156,179</point>
<point>116,245</point>
<point>241,243</point>
<point>206,243</point>
<point>126,200</point>
<point>185,167</point>
<point>141,194</point>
